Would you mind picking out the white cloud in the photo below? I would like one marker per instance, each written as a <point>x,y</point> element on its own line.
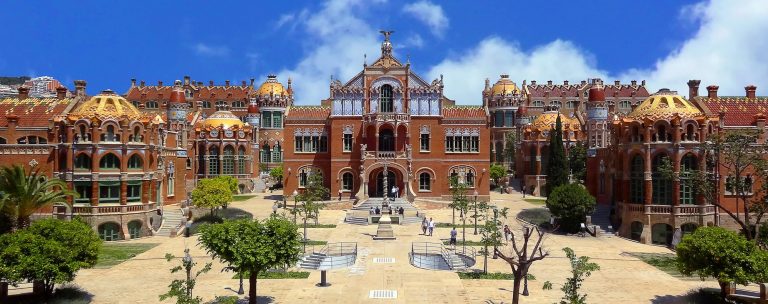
<point>336,41</point>
<point>430,14</point>
<point>464,75</point>
<point>210,50</point>
<point>413,40</point>
<point>727,50</point>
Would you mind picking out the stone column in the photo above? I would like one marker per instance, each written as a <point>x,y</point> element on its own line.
<point>648,175</point>
<point>537,158</point>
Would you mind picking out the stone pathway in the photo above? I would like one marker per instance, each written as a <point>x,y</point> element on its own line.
<point>622,278</point>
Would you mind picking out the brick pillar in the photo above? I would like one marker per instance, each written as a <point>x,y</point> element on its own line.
<point>94,193</point>
<point>648,182</point>
<point>123,192</point>
<point>145,189</point>
<point>537,158</point>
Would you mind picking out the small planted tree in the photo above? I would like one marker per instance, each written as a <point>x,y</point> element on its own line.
<point>490,231</point>
<point>49,252</point>
<point>277,173</point>
<point>581,268</point>
<point>570,204</point>
<point>212,193</point>
<point>22,193</point>
<point>724,255</point>
<point>461,203</point>
<point>253,246</point>
<point>182,289</point>
<point>230,181</point>
<point>497,172</point>
<point>525,251</point>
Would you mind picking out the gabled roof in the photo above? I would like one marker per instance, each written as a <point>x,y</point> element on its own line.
<point>464,112</point>
<point>308,112</point>
<point>32,112</point>
<point>737,110</point>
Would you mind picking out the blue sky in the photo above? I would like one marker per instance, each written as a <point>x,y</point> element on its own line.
<point>665,42</point>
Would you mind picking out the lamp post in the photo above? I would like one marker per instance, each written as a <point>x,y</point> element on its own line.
<point>525,278</point>
<point>475,216</point>
<point>295,198</point>
<point>187,261</point>
<point>274,208</point>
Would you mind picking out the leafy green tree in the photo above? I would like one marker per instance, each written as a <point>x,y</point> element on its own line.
<point>571,204</point>
<point>314,193</point>
<point>309,209</point>
<point>724,255</point>
<point>521,257</point>
<point>182,289</point>
<point>23,193</point>
<point>49,252</point>
<point>557,167</point>
<point>211,193</point>
<point>277,173</point>
<point>253,246</point>
<point>577,160</point>
<point>231,183</point>
<point>581,268</point>
<point>459,202</point>
<point>497,172</point>
<point>510,147</point>
<point>490,231</point>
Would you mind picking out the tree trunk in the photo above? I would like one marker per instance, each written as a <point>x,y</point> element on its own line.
<point>516,287</point>
<point>485,263</point>
<point>725,288</point>
<point>252,286</point>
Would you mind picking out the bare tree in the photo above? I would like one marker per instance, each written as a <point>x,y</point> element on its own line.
<point>525,251</point>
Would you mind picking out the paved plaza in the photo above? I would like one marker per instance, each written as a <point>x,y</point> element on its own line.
<point>622,278</point>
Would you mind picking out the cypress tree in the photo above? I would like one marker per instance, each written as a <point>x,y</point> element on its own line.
<point>557,168</point>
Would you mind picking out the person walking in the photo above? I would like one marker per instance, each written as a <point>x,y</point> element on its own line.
<point>431,226</point>
<point>507,232</point>
<point>424,224</point>
<point>453,237</point>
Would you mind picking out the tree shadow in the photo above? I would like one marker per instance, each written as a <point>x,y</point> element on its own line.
<point>237,300</point>
<point>67,294</point>
<point>277,197</point>
<point>693,296</point>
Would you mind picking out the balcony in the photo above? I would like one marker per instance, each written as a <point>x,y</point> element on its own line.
<point>668,209</point>
<point>111,209</point>
<point>386,117</point>
<point>385,155</point>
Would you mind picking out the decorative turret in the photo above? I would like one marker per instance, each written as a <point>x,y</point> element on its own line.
<point>253,114</point>
<point>177,104</point>
<point>597,117</point>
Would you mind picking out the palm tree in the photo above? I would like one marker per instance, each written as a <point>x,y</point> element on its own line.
<point>22,194</point>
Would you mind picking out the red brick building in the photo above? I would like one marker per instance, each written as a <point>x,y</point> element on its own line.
<point>386,115</point>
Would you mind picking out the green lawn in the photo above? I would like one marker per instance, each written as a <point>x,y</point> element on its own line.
<point>240,198</point>
<point>536,201</point>
<point>277,275</point>
<point>664,262</point>
<point>536,216</point>
<point>313,242</point>
<point>319,225</point>
<point>488,276</point>
<point>112,254</point>
<point>203,216</point>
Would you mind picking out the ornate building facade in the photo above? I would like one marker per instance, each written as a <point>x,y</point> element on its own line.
<point>388,123</point>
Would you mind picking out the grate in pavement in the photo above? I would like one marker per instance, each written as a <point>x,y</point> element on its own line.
<point>384,260</point>
<point>382,294</point>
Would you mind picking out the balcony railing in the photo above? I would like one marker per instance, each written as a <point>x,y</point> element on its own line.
<point>668,209</point>
<point>385,155</point>
<point>112,209</point>
<point>382,117</point>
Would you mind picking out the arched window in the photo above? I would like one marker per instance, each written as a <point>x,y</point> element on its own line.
<point>3,141</point>
<point>228,167</point>
<point>636,175</point>
<point>83,135</point>
<point>109,231</point>
<point>83,161</point>
<point>136,136</point>
<point>206,104</point>
<point>277,153</point>
<point>241,160</point>
<point>134,229</point>
<point>135,103</point>
<point>662,185</point>
<point>109,134</point>
<point>31,140</point>
<point>346,181</point>
<point>690,133</point>
<point>303,178</point>
<point>213,160</point>
<point>109,161</point>
<point>385,98</point>
<point>135,162</point>
<point>470,177</point>
<point>687,165</point>
<point>386,140</point>
<point>266,154</point>
<point>425,182</point>
<point>238,104</point>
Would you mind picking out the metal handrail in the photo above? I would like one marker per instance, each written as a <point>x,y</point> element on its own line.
<point>336,254</point>
<point>432,250</point>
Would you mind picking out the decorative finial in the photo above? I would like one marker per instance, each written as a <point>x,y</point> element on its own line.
<point>365,59</point>
<point>386,46</point>
<point>408,59</point>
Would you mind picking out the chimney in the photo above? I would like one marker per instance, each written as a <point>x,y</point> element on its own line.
<point>252,80</point>
<point>693,88</point>
<point>80,87</point>
<point>616,83</point>
<point>23,92</point>
<point>750,89</point>
<point>226,82</point>
<point>210,83</point>
<point>142,83</point>
<point>565,82</point>
<point>159,83</point>
<point>642,83</point>
<point>634,83</point>
<point>133,82</point>
<point>61,93</point>
<point>533,82</point>
<point>583,82</point>
<point>712,91</point>
<point>549,82</point>
<point>186,80</point>
<point>199,83</point>
<point>244,83</point>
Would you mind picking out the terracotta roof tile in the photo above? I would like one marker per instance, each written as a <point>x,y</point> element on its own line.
<point>32,112</point>
<point>467,112</point>
<point>738,110</point>
<point>308,112</point>
<point>211,93</point>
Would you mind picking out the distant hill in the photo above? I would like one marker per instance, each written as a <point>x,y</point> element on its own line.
<point>13,80</point>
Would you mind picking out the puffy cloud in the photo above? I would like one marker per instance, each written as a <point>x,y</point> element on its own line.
<point>430,14</point>
<point>336,42</point>
<point>727,49</point>
<point>464,74</point>
<point>210,50</point>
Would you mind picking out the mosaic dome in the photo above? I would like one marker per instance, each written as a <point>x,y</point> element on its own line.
<point>271,86</point>
<point>106,105</point>
<point>665,104</point>
<point>546,121</point>
<point>223,118</point>
<point>505,86</point>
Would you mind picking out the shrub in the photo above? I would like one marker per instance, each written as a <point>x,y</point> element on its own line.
<point>570,204</point>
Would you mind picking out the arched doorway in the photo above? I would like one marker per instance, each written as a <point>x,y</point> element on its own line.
<point>134,229</point>
<point>661,234</point>
<point>391,180</point>
<point>688,228</point>
<point>386,140</point>
<point>109,231</point>
<point>636,230</point>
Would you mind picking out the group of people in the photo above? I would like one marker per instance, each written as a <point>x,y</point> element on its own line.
<point>377,210</point>
<point>395,191</point>
<point>427,226</point>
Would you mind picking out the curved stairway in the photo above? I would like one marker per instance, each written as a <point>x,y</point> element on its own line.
<point>172,219</point>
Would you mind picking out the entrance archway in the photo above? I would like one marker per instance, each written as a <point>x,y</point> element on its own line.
<point>391,179</point>
<point>386,140</point>
<point>375,182</point>
<point>661,234</point>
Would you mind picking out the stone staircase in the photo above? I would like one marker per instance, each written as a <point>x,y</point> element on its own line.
<point>312,261</point>
<point>354,220</point>
<point>601,218</point>
<point>455,261</point>
<point>410,211</point>
<point>412,220</point>
<point>259,186</point>
<point>172,218</point>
